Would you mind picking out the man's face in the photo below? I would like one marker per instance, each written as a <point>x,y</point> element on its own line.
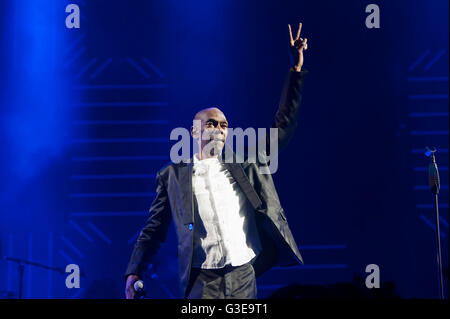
<point>213,130</point>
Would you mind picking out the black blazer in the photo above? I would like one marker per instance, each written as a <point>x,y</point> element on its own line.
<point>174,201</point>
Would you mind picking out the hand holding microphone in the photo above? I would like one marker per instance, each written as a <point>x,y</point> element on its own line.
<point>134,287</point>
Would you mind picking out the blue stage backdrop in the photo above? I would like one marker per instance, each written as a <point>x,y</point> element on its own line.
<point>86,115</point>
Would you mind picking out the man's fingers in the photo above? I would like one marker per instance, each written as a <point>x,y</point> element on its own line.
<point>290,34</point>
<point>305,44</point>
<point>291,39</point>
<point>301,44</point>
<point>130,293</point>
<point>298,31</point>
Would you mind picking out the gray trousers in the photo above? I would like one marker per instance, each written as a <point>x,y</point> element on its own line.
<point>225,283</point>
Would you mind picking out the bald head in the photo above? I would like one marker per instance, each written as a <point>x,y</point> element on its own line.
<point>213,128</point>
<point>210,111</point>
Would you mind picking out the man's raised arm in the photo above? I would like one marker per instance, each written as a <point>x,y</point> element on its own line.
<point>286,116</point>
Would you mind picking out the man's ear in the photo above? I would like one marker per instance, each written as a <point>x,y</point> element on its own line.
<point>196,129</point>
<point>194,132</point>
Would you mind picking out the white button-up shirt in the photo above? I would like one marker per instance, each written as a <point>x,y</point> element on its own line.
<point>225,228</point>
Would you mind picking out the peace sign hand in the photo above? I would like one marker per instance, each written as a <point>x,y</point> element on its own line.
<point>297,46</point>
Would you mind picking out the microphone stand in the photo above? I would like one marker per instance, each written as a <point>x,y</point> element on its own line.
<point>433,175</point>
<point>21,268</point>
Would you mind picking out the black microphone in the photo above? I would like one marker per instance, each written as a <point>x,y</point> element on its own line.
<point>433,173</point>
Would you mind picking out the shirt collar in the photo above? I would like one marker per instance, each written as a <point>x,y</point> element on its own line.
<point>206,160</point>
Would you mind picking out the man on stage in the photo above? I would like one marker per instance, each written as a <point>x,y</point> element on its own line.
<point>230,225</point>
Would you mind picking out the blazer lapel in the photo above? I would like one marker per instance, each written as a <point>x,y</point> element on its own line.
<point>185,179</point>
<point>240,177</point>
